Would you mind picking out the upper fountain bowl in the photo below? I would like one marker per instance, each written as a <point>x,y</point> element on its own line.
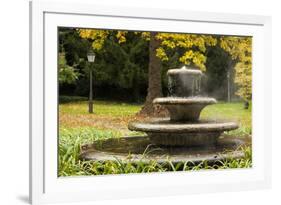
<point>184,81</point>
<point>184,109</point>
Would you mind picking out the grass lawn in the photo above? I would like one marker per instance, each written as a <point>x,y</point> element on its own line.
<point>110,119</point>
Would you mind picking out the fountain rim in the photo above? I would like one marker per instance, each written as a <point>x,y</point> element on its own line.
<point>184,100</point>
<point>177,127</point>
<point>184,70</point>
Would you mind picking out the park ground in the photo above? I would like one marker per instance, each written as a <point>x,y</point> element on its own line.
<point>110,119</point>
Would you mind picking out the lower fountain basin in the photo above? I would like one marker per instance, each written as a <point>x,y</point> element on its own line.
<point>139,149</point>
<point>184,109</point>
<point>165,132</point>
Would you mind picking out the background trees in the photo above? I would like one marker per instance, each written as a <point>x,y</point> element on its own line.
<point>240,49</point>
<point>67,74</point>
<point>121,62</point>
<point>132,65</point>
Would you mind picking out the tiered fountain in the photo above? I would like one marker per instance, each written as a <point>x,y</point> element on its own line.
<point>184,127</point>
<point>182,137</point>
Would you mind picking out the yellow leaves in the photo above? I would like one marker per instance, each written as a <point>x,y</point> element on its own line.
<point>172,40</point>
<point>98,37</point>
<point>210,40</point>
<point>121,36</point>
<point>243,77</point>
<point>193,44</point>
<point>169,44</point>
<point>199,59</point>
<point>191,49</point>
<point>98,44</point>
<point>145,35</point>
<point>186,57</point>
<point>199,42</point>
<point>184,44</point>
<point>93,34</point>
<point>195,57</point>
<point>240,49</point>
<point>202,41</point>
<point>84,33</point>
<point>160,53</point>
<point>231,45</point>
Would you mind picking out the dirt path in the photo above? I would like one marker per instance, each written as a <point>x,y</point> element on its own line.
<point>98,121</point>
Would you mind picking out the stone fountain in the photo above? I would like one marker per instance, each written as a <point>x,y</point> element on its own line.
<point>182,137</point>
<point>184,128</point>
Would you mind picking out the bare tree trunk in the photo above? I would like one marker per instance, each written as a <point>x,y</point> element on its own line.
<point>154,78</point>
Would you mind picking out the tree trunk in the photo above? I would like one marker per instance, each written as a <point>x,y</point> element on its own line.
<point>154,78</point>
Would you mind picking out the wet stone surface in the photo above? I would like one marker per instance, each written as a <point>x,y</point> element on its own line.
<point>167,126</point>
<point>140,148</point>
<point>184,109</point>
<point>166,132</point>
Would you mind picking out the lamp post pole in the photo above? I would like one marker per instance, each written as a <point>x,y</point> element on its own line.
<point>91,59</point>
<point>228,86</point>
<point>91,92</point>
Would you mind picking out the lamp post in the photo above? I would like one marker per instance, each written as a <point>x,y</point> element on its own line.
<point>228,86</point>
<point>91,59</point>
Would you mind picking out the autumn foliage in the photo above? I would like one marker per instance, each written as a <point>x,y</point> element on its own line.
<point>191,50</point>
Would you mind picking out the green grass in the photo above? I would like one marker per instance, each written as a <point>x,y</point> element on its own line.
<point>232,112</point>
<point>104,108</point>
<point>71,165</point>
<point>77,127</point>
<point>70,140</point>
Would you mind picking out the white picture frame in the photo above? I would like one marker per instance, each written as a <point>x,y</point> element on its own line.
<point>45,186</point>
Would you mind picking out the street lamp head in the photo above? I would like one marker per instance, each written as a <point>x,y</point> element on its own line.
<point>91,56</point>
